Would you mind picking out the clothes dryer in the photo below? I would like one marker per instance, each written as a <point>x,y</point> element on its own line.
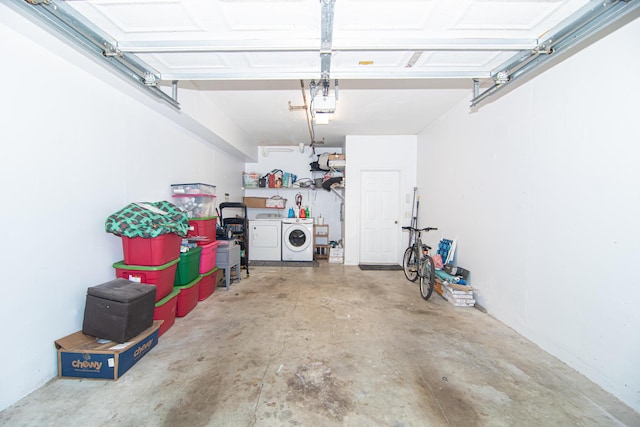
<point>297,239</point>
<point>265,239</point>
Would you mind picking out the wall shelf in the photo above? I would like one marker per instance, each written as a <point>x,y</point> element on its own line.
<point>321,241</point>
<point>279,188</point>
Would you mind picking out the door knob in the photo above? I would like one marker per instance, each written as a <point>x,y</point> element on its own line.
<point>395,222</point>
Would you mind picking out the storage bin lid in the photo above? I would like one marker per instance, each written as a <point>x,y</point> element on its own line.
<point>166,299</point>
<point>193,187</point>
<point>207,196</point>
<point>208,247</point>
<point>225,243</point>
<point>123,266</point>
<point>122,290</point>
<point>188,285</point>
<point>204,218</point>
<point>210,272</point>
<point>191,252</point>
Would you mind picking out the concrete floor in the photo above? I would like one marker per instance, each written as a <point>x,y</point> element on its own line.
<point>331,345</point>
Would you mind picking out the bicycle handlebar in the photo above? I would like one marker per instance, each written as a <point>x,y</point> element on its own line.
<point>420,229</point>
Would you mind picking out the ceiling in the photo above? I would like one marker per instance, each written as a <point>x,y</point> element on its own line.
<point>399,64</point>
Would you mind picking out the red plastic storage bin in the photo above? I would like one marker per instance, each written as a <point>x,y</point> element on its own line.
<point>204,227</point>
<point>154,251</point>
<point>166,311</point>
<point>188,297</point>
<point>161,276</point>
<point>208,283</point>
<point>208,257</point>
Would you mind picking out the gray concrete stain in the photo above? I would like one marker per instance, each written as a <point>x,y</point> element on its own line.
<point>314,385</point>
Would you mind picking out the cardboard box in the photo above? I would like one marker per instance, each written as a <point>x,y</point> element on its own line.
<point>337,252</point>
<point>83,356</point>
<point>255,202</point>
<point>336,156</point>
<point>276,203</point>
<point>437,286</point>
<point>458,295</point>
<point>336,255</point>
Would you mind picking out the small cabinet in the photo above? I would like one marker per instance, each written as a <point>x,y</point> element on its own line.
<point>321,241</point>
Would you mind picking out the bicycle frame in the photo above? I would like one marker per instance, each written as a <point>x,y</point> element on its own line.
<point>417,263</point>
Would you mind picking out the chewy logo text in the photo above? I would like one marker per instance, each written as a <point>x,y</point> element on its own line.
<point>143,347</point>
<point>85,364</point>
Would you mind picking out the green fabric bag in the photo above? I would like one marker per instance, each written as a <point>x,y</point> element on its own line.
<point>148,220</point>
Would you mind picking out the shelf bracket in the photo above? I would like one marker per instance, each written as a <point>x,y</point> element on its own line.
<point>337,193</point>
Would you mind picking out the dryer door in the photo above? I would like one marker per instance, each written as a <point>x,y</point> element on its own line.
<point>264,240</point>
<point>297,238</point>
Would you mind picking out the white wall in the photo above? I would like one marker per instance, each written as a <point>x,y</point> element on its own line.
<point>394,152</point>
<point>540,187</point>
<point>78,144</point>
<point>197,105</point>
<point>319,201</point>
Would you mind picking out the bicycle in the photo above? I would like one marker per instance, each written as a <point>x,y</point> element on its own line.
<point>417,262</point>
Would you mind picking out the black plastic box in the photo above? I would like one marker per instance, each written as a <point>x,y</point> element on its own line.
<point>119,310</point>
<point>456,271</point>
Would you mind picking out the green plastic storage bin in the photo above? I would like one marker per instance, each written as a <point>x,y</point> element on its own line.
<point>188,267</point>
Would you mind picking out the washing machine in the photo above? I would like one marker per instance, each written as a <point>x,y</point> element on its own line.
<point>297,239</point>
<point>265,237</point>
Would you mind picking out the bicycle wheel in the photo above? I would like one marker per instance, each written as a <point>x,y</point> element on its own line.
<point>410,264</point>
<point>427,277</point>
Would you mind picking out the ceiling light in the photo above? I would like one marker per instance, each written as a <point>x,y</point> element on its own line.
<point>321,118</point>
<point>267,150</point>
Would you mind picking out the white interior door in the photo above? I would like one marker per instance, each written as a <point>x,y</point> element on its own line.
<point>379,217</point>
